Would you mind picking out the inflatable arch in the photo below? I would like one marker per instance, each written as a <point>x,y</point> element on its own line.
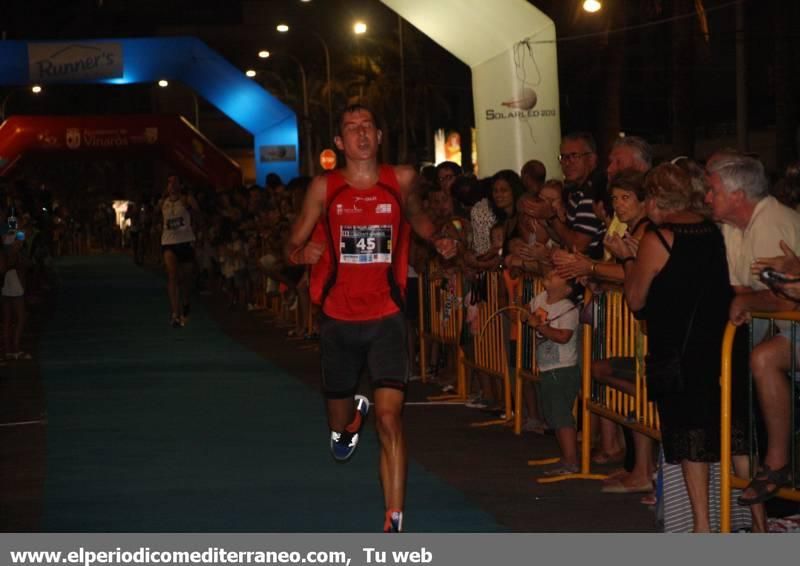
<point>186,59</point>
<point>511,48</point>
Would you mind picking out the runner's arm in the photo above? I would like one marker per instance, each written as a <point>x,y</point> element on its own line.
<point>297,250</point>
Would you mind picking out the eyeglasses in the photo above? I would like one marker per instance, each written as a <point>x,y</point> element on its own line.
<point>573,156</point>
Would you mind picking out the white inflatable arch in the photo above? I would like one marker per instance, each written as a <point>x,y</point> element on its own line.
<point>510,47</point>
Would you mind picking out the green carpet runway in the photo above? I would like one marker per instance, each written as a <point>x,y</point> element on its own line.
<point>153,429</point>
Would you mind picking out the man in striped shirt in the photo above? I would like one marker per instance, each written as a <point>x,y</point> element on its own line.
<point>577,226</point>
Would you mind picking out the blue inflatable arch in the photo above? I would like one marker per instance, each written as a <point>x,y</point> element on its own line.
<point>186,59</point>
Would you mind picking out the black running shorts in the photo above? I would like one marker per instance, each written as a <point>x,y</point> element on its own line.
<point>348,347</point>
<point>184,253</point>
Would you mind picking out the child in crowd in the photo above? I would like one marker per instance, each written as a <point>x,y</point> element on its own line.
<point>554,315</point>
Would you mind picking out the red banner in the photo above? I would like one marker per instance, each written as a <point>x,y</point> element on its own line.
<point>171,137</point>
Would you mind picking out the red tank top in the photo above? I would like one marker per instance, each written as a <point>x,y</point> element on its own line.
<point>364,275</point>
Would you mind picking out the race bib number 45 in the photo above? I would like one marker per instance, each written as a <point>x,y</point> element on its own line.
<point>365,244</point>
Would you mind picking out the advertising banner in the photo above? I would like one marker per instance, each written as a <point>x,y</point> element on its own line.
<point>67,62</point>
<point>517,106</point>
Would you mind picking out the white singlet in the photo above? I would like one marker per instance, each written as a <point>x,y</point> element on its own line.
<point>177,223</point>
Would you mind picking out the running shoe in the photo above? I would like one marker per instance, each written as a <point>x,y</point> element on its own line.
<point>394,522</point>
<point>175,321</point>
<point>343,444</point>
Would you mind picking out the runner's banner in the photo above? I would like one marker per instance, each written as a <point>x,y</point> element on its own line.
<point>74,61</point>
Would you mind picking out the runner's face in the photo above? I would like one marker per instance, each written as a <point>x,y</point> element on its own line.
<point>360,136</point>
<point>173,187</point>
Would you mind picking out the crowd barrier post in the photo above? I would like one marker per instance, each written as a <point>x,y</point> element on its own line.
<point>727,478</point>
<point>526,369</point>
<point>489,351</point>
<point>423,354</point>
<point>440,321</point>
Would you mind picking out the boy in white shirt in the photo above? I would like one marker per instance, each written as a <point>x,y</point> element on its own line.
<point>554,315</point>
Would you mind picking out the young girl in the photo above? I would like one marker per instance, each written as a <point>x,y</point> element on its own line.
<point>555,317</point>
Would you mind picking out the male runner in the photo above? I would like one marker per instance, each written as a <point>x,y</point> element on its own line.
<point>361,208</point>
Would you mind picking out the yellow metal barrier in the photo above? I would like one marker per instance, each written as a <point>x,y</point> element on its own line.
<point>440,319</point>
<point>619,334</point>
<point>526,368</point>
<point>615,334</point>
<point>489,346</point>
<point>727,479</point>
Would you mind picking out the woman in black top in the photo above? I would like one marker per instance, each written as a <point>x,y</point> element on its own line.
<point>678,280</point>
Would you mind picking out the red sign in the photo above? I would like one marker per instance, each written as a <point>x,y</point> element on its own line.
<point>327,159</point>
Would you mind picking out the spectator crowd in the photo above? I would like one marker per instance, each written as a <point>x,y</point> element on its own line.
<point>691,245</point>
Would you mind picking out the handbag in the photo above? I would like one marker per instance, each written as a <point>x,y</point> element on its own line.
<point>665,374</point>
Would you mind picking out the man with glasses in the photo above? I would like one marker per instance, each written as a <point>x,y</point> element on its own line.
<point>577,226</point>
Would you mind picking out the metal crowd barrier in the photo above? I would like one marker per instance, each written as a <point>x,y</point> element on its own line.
<point>440,320</point>
<point>617,334</point>
<point>489,346</point>
<point>526,368</point>
<point>727,478</point>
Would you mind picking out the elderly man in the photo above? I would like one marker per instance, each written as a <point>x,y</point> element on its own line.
<point>630,152</point>
<point>753,225</point>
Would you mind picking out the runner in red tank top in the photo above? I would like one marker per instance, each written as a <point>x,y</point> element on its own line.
<point>367,212</point>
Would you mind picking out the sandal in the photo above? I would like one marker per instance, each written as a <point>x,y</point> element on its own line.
<point>761,482</point>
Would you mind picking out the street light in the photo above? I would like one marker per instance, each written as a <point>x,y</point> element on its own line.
<point>360,28</point>
<point>592,6</point>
